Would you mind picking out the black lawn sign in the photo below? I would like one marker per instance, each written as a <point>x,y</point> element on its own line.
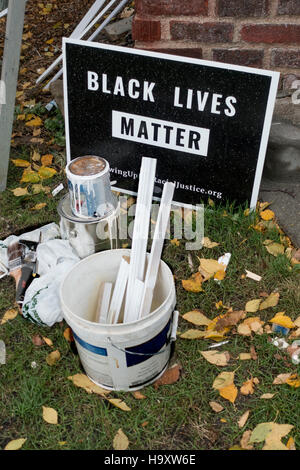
<point>206,123</point>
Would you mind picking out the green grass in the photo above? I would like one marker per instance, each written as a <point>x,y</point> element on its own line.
<point>178,416</point>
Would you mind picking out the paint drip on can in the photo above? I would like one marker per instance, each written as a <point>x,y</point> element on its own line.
<point>89,187</point>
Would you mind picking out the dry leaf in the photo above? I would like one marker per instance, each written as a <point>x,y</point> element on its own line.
<point>243,419</point>
<point>15,444</point>
<point>193,284</point>
<point>207,243</point>
<point>138,395</point>
<point>30,177</point>
<point>244,330</point>
<point>229,319</point>
<point>220,275</point>
<point>36,122</point>
<point>216,357</point>
<point>229,392</point>
<point>21,163</point>
<point>281,379</point>
<point>48,341</point>
<point>68,335</point>
<point>47,160</point>
<point>175,242</point>
<point>245,440</point>
<point>248,387</point>
<point>209,267</point>
<point>223,380</point>
<point>216,406</point>
<point>253,305</point>
<point>53,357</point>
<point>50,415</point>
<point>196,317</point>
<point>46,172</point>
<point>193,334</point>
<point>119,404</point>
<point>39,206</point>
<point>267,215</point>
<point>253,353</point>
<point>39,188</point>
<point>169,377</point>
<point>35,156</point>
<point>37,340</point>
<point>275,249</point>
<point>293,381</point>
<point>273,439</point>
<point>267,396</point>
<point>120,441</point>
<point>9,315</point>
<point>82,381</point>
<point>245,356</point>
<point>291,444</point>
<point>20,192</point>
<point>270,301</point>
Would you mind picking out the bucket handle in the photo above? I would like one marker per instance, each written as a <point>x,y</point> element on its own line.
<point>170,339</point>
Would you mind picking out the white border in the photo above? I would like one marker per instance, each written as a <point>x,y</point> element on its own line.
<point>239,68</point>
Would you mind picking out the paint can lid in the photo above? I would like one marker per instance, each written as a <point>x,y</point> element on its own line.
<point>65,211</point>
<point>88,166</point>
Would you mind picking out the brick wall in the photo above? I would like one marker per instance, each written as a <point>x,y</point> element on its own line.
<point>256,33</point>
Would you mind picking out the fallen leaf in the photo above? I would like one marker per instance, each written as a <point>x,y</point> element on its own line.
<point>229,392</point>
<point>270,301</point>
<point>275,249</point>
<point>248,387</point>
<point>46,172</point>
<point>119,404</point>
<point>229,319</point>
<point>282,320</point>
<point>39,188</point>
<point>291,444</point>
<point>30,177</point>
<point>245,440</point>
<point>216,406</point>
<point>36,122</point>
<point>15,444</point>
<point>169,377</point>
<point>267,396</point>
<point>50,415</point>
<point>281,379</point>
<point>175,242</point>
<point>9,315</point>
<point>243,419</point>
<point>193,334</point>
<point>207,243</point>
<point>82,381</point>
<point>196,317</point>
<point>245,356</point>
<point>273,439</point>
<point>138,395</point>
<point>120,441</point>
<point>37,340</point>
<point>209,267</point>
<point>220,275</point>
<point>193,284</point>
<point>244,330</point>
<point>47,160</point>
<point>267,215</point>
<point>260,432</point>
<point>253,305</point>
<point>68,335</point>
<point>39,206</point>
<point>223,380</point>
<point>48,341</point>
<point>53,357</point>
<point>18,192</point>
<point>253,353</point>
<point>293,381</point>
<point>35,156</point>
<point>21,163</point>
<point>216,357</point>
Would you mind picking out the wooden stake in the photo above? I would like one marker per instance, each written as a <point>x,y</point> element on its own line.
<point>103,302</point>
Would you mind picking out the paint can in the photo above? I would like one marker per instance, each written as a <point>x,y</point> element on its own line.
<point>123,356</point>
<point>89,235</point>
<point>89,187</point>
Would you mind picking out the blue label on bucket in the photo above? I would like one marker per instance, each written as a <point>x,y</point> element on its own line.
<point>149,348</point>
<point>90,347</point>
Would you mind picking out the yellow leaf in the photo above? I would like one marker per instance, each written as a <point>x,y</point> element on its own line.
<point>229,392</point>
<point>248,386</point>
<point>216,357</point>
<point>209,267</point>
<point>20,192</point>
<point>216,406</point>
<point>82,381</point>
<point>193,334</point>
<point>267,214</point>
<point>39,206</point>
<point>196,317</point>
<point>291,444</point>
<point>293,381</point>
<point>223,380</point>
<point>243,419</point>
<point>48,341</point>
<point>46,172</point>
<point>47,159</point>
<point>175,242</point>
<point>36,122</point>
<point>220,275</point>
<point>21,163</point>
<point>281,379</point>
<point>9,315</point>
<point>16,444</point>
<point>53,357</point>
<point>207,243</point>
<point>253,305</point>
<point>245,356</point>
<point>270,301</point>
<point>273,439</point>
<point>50,415</point>
<point>193,284</point>
<point>275,249</point>
<point>119,404</point>
<point>216,335</point>
<point>68,335</point>
<point>120,441</point>
<point>50,41</point>
<point>21,117</point>
<point>282,320</point>
<point>30,177</point>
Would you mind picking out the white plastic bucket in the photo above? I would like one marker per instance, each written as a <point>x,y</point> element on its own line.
<point>122,356</point>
